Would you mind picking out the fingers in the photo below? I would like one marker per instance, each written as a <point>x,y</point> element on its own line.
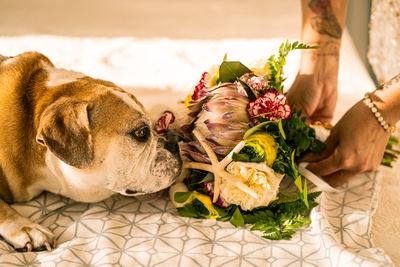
<point>327,166</point>
<point>340,177</point>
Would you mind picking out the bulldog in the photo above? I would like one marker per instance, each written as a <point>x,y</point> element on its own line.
<point>67,133</point>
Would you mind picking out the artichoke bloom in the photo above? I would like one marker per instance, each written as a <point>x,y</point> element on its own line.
<point>223,118</point>
<point>263,180</point>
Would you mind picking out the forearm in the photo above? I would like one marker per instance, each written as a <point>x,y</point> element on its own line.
<point>322,25</point>
<point>387,100</point>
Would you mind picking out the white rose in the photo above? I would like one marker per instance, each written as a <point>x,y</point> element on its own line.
<point>259,177</point>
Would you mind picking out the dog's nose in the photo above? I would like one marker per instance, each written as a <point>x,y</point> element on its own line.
<point>170,146</point>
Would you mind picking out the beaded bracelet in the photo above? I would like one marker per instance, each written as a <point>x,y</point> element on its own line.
<point>386,126</point>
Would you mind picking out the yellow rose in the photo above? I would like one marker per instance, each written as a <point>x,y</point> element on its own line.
<point>263,145</point>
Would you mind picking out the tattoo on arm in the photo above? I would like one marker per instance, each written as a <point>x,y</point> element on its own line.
<point>325,22</point>
<point>394,80</point>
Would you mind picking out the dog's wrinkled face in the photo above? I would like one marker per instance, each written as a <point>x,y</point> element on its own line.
<point>109,139</point>
<point>141,162</point>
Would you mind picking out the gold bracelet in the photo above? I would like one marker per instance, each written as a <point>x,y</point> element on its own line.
<point>386,126</point>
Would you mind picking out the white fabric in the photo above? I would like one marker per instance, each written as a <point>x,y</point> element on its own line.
<point>123,231</point>
<point>316,180</point>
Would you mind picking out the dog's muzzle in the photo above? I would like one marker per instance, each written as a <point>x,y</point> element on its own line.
<point>164,170</point>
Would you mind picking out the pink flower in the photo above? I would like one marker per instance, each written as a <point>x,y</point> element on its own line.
<point>269,106</point>
<point>163,123</point>
<point>200,86</point>
<point>257,83</point>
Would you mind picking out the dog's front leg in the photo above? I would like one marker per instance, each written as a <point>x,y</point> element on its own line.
<point>22,233</point>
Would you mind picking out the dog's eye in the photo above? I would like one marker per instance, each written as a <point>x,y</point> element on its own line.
<point>141,134</point>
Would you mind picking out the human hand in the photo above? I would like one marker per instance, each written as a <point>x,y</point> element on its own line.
<point>356,144</point>
<point>314,90</point>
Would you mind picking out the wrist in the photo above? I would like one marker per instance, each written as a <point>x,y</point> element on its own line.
<point>324,59</point>
<point>378,113</point>
<point>387,102</point>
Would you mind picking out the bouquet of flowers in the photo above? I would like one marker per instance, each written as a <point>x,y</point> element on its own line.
<point>238,137</point>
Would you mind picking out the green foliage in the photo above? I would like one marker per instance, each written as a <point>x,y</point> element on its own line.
<point>276,63</point>
<point>230,71</point>
<point>198,177</point>
<point>254,151</point>
<point>189,211</point>
<point>301,136</point>
<point>277,221</point>
<point>181,197</point>
<point>200,208</point>
<point>237,218</point>
<point>281,219</point>
<point>260,127</point>
<point>391,154</point>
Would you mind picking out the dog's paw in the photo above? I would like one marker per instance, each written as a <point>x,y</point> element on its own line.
<point>25,235</point>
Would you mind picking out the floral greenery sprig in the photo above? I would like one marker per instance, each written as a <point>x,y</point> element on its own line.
<point>282,218</point>
<point>276,63</point>
<point>391,154</point>
<point>231,71</point>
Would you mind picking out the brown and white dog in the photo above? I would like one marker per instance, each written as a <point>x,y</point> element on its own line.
<point>72,135</point>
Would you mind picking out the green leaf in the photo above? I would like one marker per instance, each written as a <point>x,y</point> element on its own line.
<point>273,235</point>
<point>225,213</point>
<point>305,194</point>
<point>391,154</point>
<point>250,93</point>
<point>294,169</point>
<point>231,71</point>
<point>200,208</point>
<point>318,147</point>
<point>237,218</point>
<point>208,178</point>
<point>312,196</point>
<point>181,197</point>
<point>240,157</point>
<point>225,57</point>
<point>298,183</point>
<point>285,197</point>
<point>188,211</point>
<point>259,127</point>
<point>281,129</point>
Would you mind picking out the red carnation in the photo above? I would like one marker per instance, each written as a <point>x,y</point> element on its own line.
<point>269,106</point>
<point>209,187</point>
<point>200,86</point>
<point>163,123</point>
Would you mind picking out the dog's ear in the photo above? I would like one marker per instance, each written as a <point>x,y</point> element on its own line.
<point>65,129</point>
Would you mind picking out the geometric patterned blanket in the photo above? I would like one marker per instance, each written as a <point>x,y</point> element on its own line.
<point>122,231</point>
